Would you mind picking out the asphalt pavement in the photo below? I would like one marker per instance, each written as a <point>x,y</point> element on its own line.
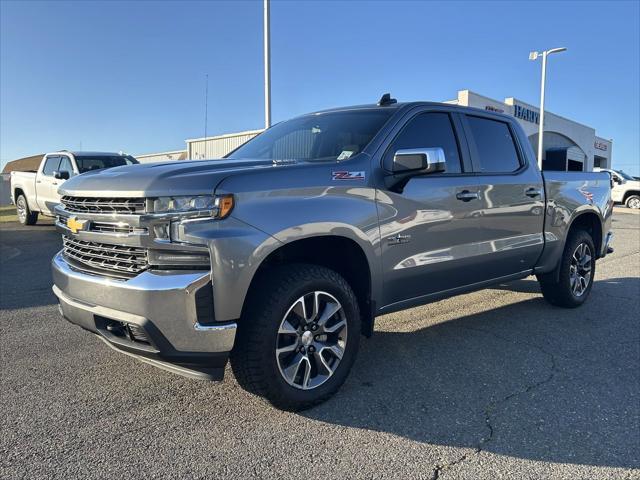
<point>493,384</point>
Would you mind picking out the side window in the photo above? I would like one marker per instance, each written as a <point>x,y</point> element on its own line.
<point>429,130</point>
<point>494,144</point>
<point>50,165</point>
<point>65,165</point>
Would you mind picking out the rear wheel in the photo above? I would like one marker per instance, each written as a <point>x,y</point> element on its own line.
<point>25,215</point>
<point>633,202</point>
<point>570,285</point>
<point>299,337</point>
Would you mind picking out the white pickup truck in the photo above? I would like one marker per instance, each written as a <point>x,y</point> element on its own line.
<point>626,189</point>
<point>37,192</point>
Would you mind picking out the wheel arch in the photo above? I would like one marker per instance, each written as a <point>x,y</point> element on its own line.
<point>590,222</point>
<point>339,253</point>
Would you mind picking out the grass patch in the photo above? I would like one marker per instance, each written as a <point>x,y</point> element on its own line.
<point>8,214</point>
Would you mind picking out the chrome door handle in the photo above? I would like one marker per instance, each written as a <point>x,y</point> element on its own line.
<point>466,195</point>
<point>533,192</point>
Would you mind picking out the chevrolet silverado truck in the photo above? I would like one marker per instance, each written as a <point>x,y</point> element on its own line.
<point>281,255</point>
<point>37,192</point>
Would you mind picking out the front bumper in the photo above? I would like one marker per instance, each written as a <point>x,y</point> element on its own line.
<point>156,316</point>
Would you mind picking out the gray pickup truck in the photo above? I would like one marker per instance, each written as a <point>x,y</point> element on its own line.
<point>281,255</point>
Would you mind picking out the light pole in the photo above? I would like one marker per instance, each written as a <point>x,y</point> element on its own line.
<point>534,56</point>
<point>267,67</point>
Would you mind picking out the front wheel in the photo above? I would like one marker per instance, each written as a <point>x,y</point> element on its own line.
<point>570,285</point>
<point>25,215</point>
<point>633,202</point>
<point>299,337</point>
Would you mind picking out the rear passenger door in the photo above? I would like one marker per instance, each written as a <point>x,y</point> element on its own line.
<point>507,197</point>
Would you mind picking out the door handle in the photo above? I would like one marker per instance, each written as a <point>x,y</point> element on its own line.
<point>466,195</point>
<point>533,192</point>
<point>54,183</point>
<point>38,181</point>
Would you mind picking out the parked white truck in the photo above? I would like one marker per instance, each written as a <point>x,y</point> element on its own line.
<point>36,192</point>
<point>626,189</point>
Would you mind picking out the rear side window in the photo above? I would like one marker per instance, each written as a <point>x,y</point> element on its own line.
<point>50,165</point>
<point>494,144</point>
<point>429,130</point>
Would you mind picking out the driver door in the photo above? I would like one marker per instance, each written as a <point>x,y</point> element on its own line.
<point>427,228</point>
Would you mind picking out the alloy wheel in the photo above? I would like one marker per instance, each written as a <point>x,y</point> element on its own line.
<point>580,269</point>
<point>634,202</point>
<point>311,340</point>
<point>21,208</point>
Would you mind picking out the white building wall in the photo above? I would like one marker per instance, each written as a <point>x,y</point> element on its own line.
<point>162,156</point>
<point>217,147</point>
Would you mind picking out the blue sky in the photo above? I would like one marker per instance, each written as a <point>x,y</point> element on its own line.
<point>130,75</point>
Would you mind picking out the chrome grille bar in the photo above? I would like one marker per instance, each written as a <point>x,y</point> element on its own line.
<point>103,205</point>
<point>106,257</point>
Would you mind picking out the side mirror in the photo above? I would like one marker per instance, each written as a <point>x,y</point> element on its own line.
<point>61,175</point>
<point>419,160</point>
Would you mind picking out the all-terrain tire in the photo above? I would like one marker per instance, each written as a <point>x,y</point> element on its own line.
<point>273,295</point>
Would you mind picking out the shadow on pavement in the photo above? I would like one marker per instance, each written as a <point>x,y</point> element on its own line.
<point>526,380</point>
<point>25,274</point>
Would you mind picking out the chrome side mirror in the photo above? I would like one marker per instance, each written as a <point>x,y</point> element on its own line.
<point>419,160</point>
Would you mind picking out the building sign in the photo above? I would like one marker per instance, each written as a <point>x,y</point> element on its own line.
<point>600,146</point>
<point>526,114</point>
<point>493,109</point>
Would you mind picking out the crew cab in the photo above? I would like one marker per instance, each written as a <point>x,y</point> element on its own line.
<point>36,192</point>
<point>281,255</point>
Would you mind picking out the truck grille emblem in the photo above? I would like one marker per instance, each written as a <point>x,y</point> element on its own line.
<point>76,225</point>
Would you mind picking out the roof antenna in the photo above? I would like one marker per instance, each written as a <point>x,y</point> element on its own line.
<point>386,100</point>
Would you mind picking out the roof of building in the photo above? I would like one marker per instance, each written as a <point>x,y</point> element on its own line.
<point>25,164</point>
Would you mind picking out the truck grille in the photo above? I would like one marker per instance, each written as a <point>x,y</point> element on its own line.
<point>103,205</point>
<point>117,260</point>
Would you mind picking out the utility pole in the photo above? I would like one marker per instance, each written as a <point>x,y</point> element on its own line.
<point>206,102</point>
<point>267,66</point>
<point>534,56</point>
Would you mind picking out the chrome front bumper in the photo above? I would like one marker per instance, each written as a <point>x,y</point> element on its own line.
<point>166,306</point>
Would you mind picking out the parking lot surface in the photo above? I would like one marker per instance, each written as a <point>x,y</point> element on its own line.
<point>493,384</point>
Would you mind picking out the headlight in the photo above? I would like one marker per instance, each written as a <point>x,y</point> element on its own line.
<point>220,206</point>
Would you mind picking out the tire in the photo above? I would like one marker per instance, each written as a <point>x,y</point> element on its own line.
<point>25,215</point>
<point>273,321</point>
<point>569,285</point>
<point>633,202</point>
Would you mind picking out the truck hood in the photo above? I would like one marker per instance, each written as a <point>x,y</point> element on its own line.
<point>161,179</point>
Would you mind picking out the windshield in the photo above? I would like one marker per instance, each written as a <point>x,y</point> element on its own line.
<point>626,176</point>
<point>319,137</point>
<point>87,164</point>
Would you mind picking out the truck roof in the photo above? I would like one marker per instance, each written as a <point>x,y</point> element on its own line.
<point>408,105</point>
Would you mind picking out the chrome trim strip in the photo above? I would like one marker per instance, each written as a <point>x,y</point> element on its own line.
<point>198,327</point>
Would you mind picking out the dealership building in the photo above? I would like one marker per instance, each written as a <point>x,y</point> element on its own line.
<point>568,145</point>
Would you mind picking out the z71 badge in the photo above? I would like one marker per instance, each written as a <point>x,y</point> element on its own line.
<point>344,175</point>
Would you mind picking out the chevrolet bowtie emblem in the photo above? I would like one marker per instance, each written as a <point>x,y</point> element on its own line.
<point>76,225</point>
